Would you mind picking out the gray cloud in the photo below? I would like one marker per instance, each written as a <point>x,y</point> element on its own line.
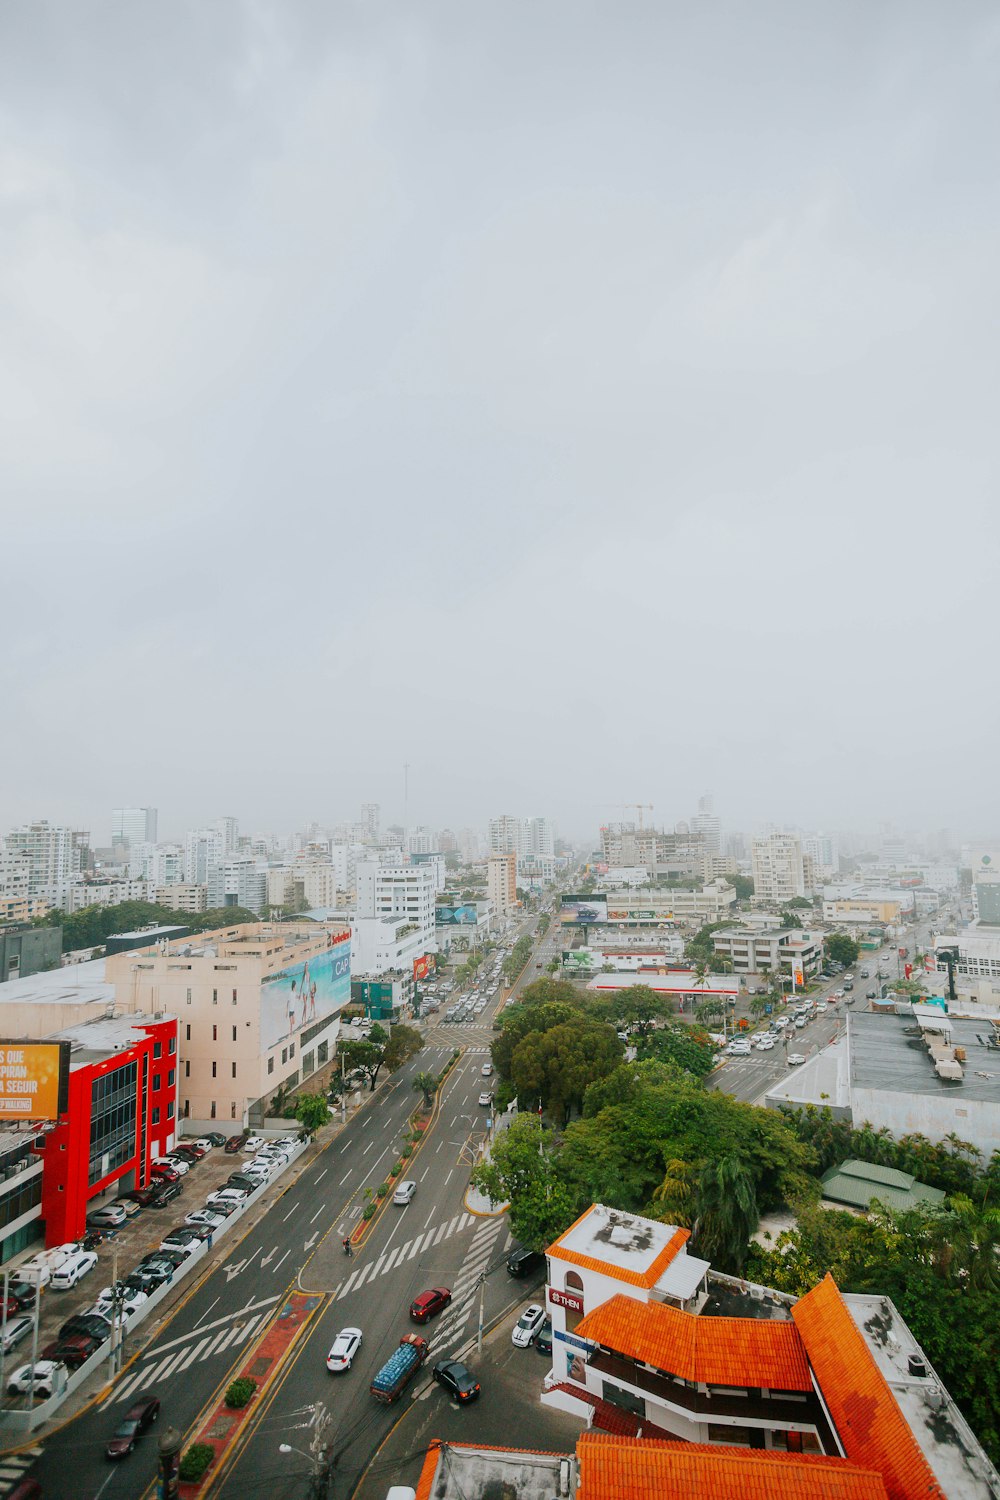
<point>576,403</point>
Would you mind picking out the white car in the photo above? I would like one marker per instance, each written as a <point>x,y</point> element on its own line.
<point>343,1349</point>
<point>766,1044</point>
<point>131,1303</point>
<point>739,1048</point>
<point>795,1058</point>
<point>204,1144</point>
<point>40,1380</point>
<point>839,994</point>
<point>109,1217</point>
<point>404,1193</point>
<point>254,1143</point>
<point>66,1276</point>
<point>800,1021</point>
<point>527,1325</point>
<point>16,1330</point>
<point>178,1163</point>
<point>205,1217</point>
<point>235,1197</point>
<point>486,1097</point>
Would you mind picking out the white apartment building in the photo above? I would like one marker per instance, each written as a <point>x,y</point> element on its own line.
<point>229,830</point>
<point>83,893</point>
<point>824,853</point>
<point>393,925</point>
<point>241,880</point>
<point>506,835</point>
<point>420,841</point>
<point>779,869</point>
<point>55,856</point>
<point>501,882</point>
<point>706,828</point>
<point>133,825</point>
<point>792,952</point>
<point>204,851</point>
<point>15,876</point>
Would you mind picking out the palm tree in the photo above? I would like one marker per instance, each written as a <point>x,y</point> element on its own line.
<point>675,1192</point>
<point>427,1084</point>
<point>727,1212</point>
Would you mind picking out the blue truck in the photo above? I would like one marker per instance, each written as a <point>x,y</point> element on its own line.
<point>400,1368</point>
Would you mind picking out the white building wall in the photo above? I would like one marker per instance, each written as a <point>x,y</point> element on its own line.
<point>933,1115</point>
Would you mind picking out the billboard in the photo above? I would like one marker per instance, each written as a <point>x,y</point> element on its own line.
<point>581,910</point>
<point>420,967</point>
<point>579,961</point>
<point>34,1080</point>
<point>456,915</point>
<point>305,993</point>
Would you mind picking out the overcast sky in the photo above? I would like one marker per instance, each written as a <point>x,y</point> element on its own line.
<point>583,403</point>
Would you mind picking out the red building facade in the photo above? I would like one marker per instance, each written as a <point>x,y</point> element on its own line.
<point>122,1115</point>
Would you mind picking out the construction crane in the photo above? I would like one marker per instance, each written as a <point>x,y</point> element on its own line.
<point>639,807</point>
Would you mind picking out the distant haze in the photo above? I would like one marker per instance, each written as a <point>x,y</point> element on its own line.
<point>581,404</point>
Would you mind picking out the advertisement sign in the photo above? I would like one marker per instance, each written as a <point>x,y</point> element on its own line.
<point>420,967</point>
<point>578,960</point>
<point>34,1080</point>
<point>305,993</point>
<point>446,916</point>
<point>566,1299</point>
<point>581,910</point>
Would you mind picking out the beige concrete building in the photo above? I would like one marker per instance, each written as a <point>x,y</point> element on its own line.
<point>501,882</point>
<point>858,912</point>
<point>191,898</point>
<point>258,1007</point>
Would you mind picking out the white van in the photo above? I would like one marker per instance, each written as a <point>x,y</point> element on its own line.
<point>66,1276</point>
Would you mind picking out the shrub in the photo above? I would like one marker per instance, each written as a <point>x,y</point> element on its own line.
<point>196,1460</point>
<point>398,1167</point>
<point>369,1210</point>
<point>406,1152</point>
<point>240,1392</point>
<point>382,1189</point>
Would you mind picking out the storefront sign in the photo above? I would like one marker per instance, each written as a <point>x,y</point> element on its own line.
<point>566,1299</point>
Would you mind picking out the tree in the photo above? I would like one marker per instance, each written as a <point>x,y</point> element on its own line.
<point>637,1008</point>
<point>743,886</point>
<point>311,1111</point>
<point>404,1043</point>
<point>727,1212</point>
<point>710,1010</point>
<point>675,1193</point>
<point>687,1047</point>
<point>517,958</point>
<point>367,1056</point>
<point>557,1065</point>
<point>521,1171</point>
<point>758,1005</point>
<point>426,1084</point>
<point>700,948</point>
<point>841,948</point>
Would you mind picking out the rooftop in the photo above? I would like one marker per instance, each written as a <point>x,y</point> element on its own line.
<point>619,1244</point>
<point>103,1036</point>
<point>823,1080</point>
<point>888,1053</point>
<point>76,984</point>
<point>856,1183</point>
<point>462,1472</point>
<point>678,981</point>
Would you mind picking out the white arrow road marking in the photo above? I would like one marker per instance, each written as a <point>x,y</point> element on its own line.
<point>240,1266</point>
<point>269,1256</point>
<point>310,1241</point>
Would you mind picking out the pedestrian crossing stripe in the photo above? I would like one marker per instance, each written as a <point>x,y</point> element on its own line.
<point>14,1466</point>
<point>408,1250</point>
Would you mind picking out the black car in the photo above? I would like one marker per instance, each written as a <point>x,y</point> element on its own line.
<point>543,1338</point>
<point>147,1279</point>
<point>138,1419</point>
<point>521,1261</point>
<point>216,1137</point>
<point>456,1379</point>
<point>248,1184</point>
<point>91,1323</point>
<point>165,1193</point>
<point>236,1143</point>
<point>174,1257</point>
<point>23,1293</point>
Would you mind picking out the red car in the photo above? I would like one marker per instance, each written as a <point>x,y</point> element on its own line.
<point>428,1303</point>
<point>188,1148</point>
<point>164,1173</point>
<point>72,1350</point>
<point>137,1420</point>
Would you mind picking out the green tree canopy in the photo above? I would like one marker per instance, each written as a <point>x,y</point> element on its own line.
<point>700,948</point>
<point>636,1007</point>
<point>405,1042</point>
<point>743,886</point>
<point>688,1047</point>
<point>311,1111</point>
<point>841,948</point>
<point>558,1065</point>
<point>520,1171</point>
<point>426,1084</point>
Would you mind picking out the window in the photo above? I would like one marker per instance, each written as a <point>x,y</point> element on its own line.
<point>156,1082</point>
<point>291,1050</point>
<point>213,1109</point>
<point>112,1121</point>
<point>156,1116</point>
<point>187,1032</point>
<point>215,997</point>
<point>270,1068</point>
<point>170,1078</point>
<point>157,1050</point>
<point>170,1110</point>
<point>187,1108</point>
<point>215,1070</point>
<point>234,997</point>
<point>232,1110</point>
<point>234,1033</point>
<point>172,1048</point>
<point>187,1070</point>
<point>189,997</point>
<point>215,1033</point>
<point>284,1054</point>
<point>234,1070</point>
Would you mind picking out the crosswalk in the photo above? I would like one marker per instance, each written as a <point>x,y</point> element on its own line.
<point>451,1328</point>
<point>168,1360</point>
<point>14,1466</point>
<point>407,1251</point>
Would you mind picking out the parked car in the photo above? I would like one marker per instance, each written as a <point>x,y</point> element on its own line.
<point>38,1380</point>
<point>108,1217</point>
<point>175,1257</point>
<point>521,1261</point>
<point>234,1196</point>
<point>181,1164</point>
<point>20,1296</point>
<point>243,1182</point>
<point>130,1205</point>
<point>343,1349</point>
<point>206,1218</point>
<point>236,1143</point>
<point>404,1193</point>
<point>164,1193</point>
<point>36,1273</point>
<point>194,1149</point>
<point>75,1349</point>
<point>138,1419</point>
<point>457,1379</point>
<point>216,1137</point>
<point>527,1325</point>
<point>66,1276</point>
<point>426,1304</point>
<point>148,1279</point>
<point>543,1338</point>
<point>254,1142</point>
<point>179,1240</point>
<point>17,1329</point>
<point>739,1047</point>
<point>130,1299</point>
<point>204,1143</point>
<point>166,1171</point>
<point>95,1324</point>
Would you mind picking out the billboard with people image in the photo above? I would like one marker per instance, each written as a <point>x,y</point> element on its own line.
<point>305,993</point>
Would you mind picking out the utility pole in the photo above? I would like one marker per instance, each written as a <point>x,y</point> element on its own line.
<point>343,1095</point>
<point>320,1477</point>
<point>482,1298</point>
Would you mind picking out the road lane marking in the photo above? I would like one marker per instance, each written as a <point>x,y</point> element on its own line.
<point>349,1283</point>
<point>284,1257</point>
<point>430,1217</point>
<point>289,1213</point>
<point>193,1354</point>
<point>448,1178</point>
<point>315,1216</point>
<point>368,1148</point>
<point>345,1176</point>
<point>208,1309</point>
<point>240,1312</point>
<point>320,1177</point>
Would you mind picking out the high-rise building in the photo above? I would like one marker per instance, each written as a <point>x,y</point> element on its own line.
<point>420,841</point>
<point>822,848</point>
<point>204,852</point>
<point>370,817</point>
<point>55,857</point>
<point>506,835</point>
<point>240,880</point>
<point>133,825</point>
<point>779,871</point>
<point>705,827</point>
<point>501,882</point>
<point>229,828</point>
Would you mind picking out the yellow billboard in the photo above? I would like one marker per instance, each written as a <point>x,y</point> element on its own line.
<point>34,1080</point>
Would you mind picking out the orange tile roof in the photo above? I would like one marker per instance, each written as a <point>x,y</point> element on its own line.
<point>867,1417</point>
<point>426,1481</point>
<point>718,1351</point>
<point>620,1468</point>
<point>646,1278</point>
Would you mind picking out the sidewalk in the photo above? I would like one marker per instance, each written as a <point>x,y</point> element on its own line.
<point>475,1201</point>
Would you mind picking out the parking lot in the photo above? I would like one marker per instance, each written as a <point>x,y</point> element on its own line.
<point>122,1249</point>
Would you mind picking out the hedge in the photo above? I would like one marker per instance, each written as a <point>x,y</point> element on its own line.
<point>196,1460</point>
<point>240,1392</point>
